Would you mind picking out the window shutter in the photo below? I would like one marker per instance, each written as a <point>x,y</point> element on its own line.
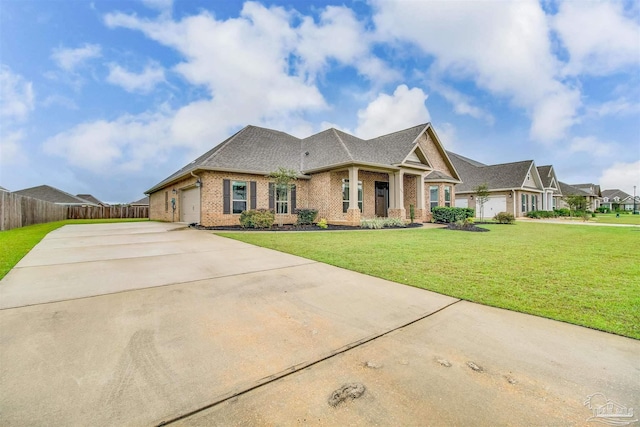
<point>293,199</point>
<point>226,196</point>
<point>252,195</point>
<point>272,195</point>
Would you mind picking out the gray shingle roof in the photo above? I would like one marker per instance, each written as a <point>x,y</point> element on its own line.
<point>501,176</point>
<point>439,176</point>
<point>142,202</point>
<point>259,150</point>
<point>90,198</point>
<point>51,194</point>
<point>615,193</point>
<point>570,190</point>
<point>592,189</point>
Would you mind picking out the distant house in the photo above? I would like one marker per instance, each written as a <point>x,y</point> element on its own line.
<point>570,190</point>
<point>142,202</point>
<point>618,200</point>
<point>591,192</point>
<point>90,198</point>
<point>344,177</point>
<point>515,187</point>
<point>54,195</point>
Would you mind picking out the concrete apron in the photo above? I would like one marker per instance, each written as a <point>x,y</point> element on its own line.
<point>136,326</point>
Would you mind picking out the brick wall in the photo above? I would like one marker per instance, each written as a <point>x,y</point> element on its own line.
<point>433,154</point>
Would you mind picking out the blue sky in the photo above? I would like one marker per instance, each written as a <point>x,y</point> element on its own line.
<point>110,97</point>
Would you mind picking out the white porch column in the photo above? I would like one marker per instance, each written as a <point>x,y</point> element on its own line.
<point>399,189</point>
<point>353,188</point>
<point>420,195</point>
<point>392,191</point>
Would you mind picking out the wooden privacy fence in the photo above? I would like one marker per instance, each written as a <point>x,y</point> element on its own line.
<point>19,211</point>
<point>99,212</point>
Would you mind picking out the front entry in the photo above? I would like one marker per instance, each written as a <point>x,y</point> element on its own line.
<point>382,198</point>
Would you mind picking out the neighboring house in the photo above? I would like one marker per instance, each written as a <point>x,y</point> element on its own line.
<point>594,195</point>
<point>90,198</point>
<point>142,202</point>
<point>570,190</point>
<point>515,187</point>
<point>4,190</point>
<point>552,193</point>
<point>344,177</point>
<point>53,195</point>
<point>618,200</point>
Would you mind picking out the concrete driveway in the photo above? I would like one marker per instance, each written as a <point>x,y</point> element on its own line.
<point>145,323</point>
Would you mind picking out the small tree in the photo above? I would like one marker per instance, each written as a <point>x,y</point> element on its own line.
<point>575,202</point>
<point>482,195</point>
<point>283,177</point>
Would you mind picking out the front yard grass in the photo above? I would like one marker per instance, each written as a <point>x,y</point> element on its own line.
<point>623,219</point>
<point>587,276</point>
<point>16,243</point>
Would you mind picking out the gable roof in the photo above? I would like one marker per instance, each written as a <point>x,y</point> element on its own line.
<point>615,193</point>
<point>592,189</point>
<point>570,190</point>
<point>259,150</point>
<point>497,177</point>
<point>142,202</point>
<point>90,198</point>
<point>53,195</point>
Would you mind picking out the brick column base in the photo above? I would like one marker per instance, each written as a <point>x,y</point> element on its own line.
<point>420,215</point>
<point>353,217</point>
<point>397,213</point>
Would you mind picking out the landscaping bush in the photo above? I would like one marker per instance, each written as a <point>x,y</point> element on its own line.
<point>323,224</point>
<point>377,223</point>
<point>260,218</point>
<point>306,216</point>
<point>562,212</point>
<point>603,209</point>
<point>504,218</point>
<point>445,215</point>
<point>541,214</point>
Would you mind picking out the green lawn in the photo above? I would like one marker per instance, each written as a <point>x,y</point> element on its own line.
<point>16,243</point>
<point>588,276</point>
<point>623,219</point>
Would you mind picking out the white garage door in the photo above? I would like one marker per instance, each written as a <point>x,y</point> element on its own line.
<point>462,203</point>
<point>492,206</point>
<point>190,205</point>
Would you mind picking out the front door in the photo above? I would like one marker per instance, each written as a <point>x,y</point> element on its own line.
<point>382,198</point>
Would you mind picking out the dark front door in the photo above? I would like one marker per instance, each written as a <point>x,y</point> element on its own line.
<point>382,198</point>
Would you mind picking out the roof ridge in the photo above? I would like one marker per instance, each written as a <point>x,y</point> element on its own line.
<point>335,132</point>
<point>422,125</point>
<point>508,163</point>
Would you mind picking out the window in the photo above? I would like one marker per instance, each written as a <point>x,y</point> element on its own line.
<point>345,195</point>
<point>282,199</point>
<point>524,203</point>
<point>239,194</point>
<point>433,196</point>
<point>447,195</point>
<point>166,201</point>
<point>534,201</point>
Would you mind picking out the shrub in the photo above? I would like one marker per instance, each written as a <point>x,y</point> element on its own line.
<point>445,215</point>
<point>562,212</point>
<point>541,214</point>
<point>603,209</point>
<point>260,218</point>
<point>504,218</point>
<point>323,223</point>
<point>377,223</point>
<point>306,216</point>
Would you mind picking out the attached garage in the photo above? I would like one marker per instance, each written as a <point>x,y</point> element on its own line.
<point>492,206</point>
<point>190,205</point>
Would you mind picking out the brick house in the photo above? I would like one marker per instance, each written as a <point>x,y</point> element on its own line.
<point>392,172</point>
<point>515,187</point>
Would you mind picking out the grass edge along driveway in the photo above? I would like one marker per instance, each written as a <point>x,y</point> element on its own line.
<point>588,276</point>
<point>17,242</point>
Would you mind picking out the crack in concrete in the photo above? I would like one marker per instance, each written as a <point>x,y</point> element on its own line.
<point>296,368</point>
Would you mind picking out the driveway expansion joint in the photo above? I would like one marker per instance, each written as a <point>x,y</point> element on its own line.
<point>303,365</point>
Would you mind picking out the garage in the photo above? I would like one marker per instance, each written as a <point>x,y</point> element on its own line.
<point>492,206</point>
<point>190,205</point>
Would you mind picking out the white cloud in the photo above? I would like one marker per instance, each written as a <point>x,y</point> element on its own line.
<point>462,104</point>
<point>69,58</point>
<point>593,146</point>
<point>17,99</point>
<point>503,47</point>
<point>11,152</point>
<point>617,107</point>
<point>600,39</point>
<point>160,5</point>
<point>623,176</point>
<point>143,82</point>
<point>390,113</point>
